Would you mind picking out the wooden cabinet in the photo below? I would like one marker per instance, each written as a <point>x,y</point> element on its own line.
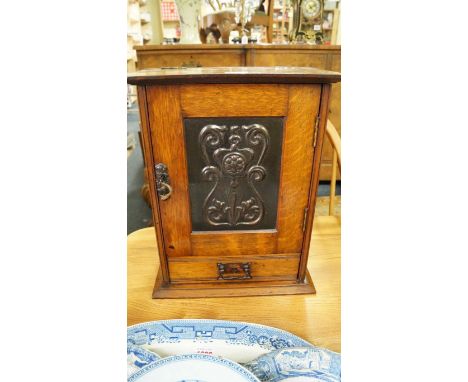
<point>319,56</point>
<point>233,158</point>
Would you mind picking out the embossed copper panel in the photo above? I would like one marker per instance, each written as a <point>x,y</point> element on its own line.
<point>234,171</point>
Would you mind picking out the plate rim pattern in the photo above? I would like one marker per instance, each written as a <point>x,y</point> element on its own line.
<point>298,341</point>
<point>205,357</point>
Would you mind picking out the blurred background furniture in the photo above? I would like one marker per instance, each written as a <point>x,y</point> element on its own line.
<point>330,26</point>
<point>224,19</point>
<point>335,141</point>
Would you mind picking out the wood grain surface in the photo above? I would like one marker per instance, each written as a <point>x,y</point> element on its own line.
<point>222,100</point>
<point>149,174</point>
<point>190,58</point>
<point>316,318</point>
<point>225,289</point>
<point>233,75</point>
<point>262,268</point>
<point>298,154</point>
<point>167,137</point>
<point>231,243</point>
<point>283,57</point>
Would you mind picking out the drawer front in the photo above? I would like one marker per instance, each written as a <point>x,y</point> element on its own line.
<point>182,59</point>
<point>288,58</point>
<point>238,269</point>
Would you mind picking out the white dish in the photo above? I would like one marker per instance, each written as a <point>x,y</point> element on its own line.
<point>238,341</point>
<point>193,368</point>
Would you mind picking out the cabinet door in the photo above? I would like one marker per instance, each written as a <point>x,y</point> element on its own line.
<point>239,160</point>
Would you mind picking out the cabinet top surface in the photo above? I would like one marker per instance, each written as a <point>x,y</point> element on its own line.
<point>234,75</point>
<point>236,46</point>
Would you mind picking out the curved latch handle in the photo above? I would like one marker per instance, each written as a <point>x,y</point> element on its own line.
<point>164,191</point>
<point>163,185</point>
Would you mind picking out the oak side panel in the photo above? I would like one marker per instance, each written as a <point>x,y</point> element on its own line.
<point>314,180</point>
<point>149,161</point>
<point>168,147</point>
<point>226,100</point>
<point>304,102</point>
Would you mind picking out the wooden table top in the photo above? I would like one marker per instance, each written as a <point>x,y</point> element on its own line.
<point>234,74</point>
<point>316,318</point>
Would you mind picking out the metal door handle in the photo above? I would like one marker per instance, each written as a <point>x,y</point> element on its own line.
<point>164,191</point>
<point>163,185</point>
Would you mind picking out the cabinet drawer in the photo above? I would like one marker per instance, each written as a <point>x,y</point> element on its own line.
<point>183,59</point>
<point>245,269</point>
<point>288,58</point>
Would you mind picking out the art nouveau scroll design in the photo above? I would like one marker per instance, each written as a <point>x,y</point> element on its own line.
<point>233,157</point>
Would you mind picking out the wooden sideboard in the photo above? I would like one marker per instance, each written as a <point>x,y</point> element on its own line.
<point>320,56</point>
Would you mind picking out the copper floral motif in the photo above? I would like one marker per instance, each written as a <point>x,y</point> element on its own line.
<point>233,158</point>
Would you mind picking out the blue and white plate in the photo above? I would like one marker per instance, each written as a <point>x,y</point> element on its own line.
<point>193,368</point>
<point>297,364</point>
<point>138,358</point>
<point>238,341</point>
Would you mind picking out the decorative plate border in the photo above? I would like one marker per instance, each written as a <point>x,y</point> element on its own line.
<point>322,364</point>
<point>144,357</point>
<point>204,357</point>
<point>234,332</point>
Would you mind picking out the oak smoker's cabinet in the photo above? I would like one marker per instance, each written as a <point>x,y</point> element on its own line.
<point>233,158</point>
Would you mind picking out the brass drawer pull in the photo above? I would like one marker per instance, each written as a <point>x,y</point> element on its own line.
<point>234,271</point>
<point>163,185</point>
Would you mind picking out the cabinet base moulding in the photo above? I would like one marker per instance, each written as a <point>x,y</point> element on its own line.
<point>231,289</point>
